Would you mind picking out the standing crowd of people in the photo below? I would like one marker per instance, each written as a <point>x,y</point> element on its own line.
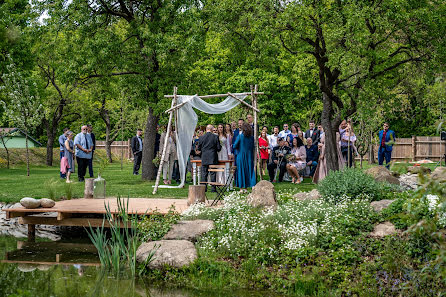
<point>288,154</point>
<point>81,148</point>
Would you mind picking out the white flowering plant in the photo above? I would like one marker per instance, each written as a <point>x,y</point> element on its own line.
<point>268,235</point>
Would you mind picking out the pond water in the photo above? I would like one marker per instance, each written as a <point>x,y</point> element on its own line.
<point>71,268</point>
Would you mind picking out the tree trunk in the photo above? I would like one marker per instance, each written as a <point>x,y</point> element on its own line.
<point>108,139</point>
<point>49,144</point>
<point>7,151</point>
<point>27,154</point>
<point>148,152</point>
<point>331,153</point>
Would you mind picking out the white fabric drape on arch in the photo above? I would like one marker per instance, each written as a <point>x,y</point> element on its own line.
<point>187,121</point>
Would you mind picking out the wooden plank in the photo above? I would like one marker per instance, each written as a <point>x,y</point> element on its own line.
<point>80,222</point>
<point>63,215</point>
<point>59,246</point>
<point>12,214</point>
<point>219,95</point>
<point>139,206</point>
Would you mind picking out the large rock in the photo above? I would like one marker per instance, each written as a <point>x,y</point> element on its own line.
<point>189,230</point>
<point>47,203</point>
<point>383,229</point>
<point>409,181</point>
<point>382,174</point>
<point>380,205</point>
<point>30,203</point>
<point>418,169</point>
<point>175,253</point>
<point>263,194</point>
<point>439,174</point>
<point>312,195</point>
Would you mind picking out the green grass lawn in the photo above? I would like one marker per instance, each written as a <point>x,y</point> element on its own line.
<point>14,184</point>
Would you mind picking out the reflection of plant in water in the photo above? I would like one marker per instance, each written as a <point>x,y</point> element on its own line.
<point>119,251</point>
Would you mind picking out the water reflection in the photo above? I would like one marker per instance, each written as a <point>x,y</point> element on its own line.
<point>72,269</point>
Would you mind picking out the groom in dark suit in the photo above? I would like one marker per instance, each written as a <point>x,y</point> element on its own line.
<point>209,146</point>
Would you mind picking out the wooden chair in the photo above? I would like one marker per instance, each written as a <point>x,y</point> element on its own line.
<point>221,188</point>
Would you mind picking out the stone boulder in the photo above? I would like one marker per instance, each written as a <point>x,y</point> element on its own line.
<point>47,203</point>
<point>418,169</point>
<point>382,174</point>
<point>174,253</point>
<point>263,194</point>
<point>439,174</point>
<point>409,181</point>
<point>383,229</point>
<point>189,230</point>
<point>380,205</point>
<point>312,195</point>
<point>30,203</point>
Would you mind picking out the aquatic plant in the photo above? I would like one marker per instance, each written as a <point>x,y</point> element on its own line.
<point>117,251</point>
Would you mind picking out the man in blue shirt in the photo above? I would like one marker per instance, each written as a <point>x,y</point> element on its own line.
<point>386,142</point>
<point>83,148</point>
<point>93,140</point>
<point>62,139</point>
<point>285,132</point>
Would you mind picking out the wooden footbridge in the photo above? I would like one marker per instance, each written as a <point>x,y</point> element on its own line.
<point>90,212</point>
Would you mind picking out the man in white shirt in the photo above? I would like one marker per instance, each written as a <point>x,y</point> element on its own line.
<point>273,138</point>
<point>285,132</point>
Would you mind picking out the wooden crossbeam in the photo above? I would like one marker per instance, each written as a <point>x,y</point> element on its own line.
<point>241,101</point>
<point>219,95</point>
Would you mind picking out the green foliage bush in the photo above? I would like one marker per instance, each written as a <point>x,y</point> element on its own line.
<point>155,226</point>
<point>350,182</point>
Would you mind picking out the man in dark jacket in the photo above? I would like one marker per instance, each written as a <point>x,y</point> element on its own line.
<point>312,155</point>
<point>278,159</point>
<point>209,146</point>
<point>313,133</point>
<point>136,143</point>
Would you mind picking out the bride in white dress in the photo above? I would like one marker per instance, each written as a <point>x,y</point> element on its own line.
<point>224,153</point>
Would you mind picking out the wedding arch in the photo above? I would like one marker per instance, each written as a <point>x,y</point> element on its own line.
<point>185,119</point>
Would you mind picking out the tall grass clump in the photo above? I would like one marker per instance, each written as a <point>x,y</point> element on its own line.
<point>117,250</point>
<point>50,185</point>
<point>353,183</point>
<point>68,191</point>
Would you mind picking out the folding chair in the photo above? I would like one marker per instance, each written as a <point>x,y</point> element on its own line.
<point>221,188</point>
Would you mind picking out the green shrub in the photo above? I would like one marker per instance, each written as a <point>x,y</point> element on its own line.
<point>155,226</point>
<point>350,182</point>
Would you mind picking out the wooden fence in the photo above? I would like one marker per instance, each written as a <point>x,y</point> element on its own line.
<point>405,149</point>
<point>117,148</point>
<point>416,148</point>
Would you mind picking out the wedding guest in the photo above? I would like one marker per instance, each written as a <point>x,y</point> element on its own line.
<point>321,169</point>
<point>250,120</point>
<point>312,156</point>
<point>93,139</point>
<point>265,129</point>
<point>273,138</point>
<point>137,145</point>
<point>297,161</point>
<point>234,139</point>
<point>62,139</point>
<point>278,160</point>
<point>284,133</point>
<point>83,148</point>
<point>264,151</point>
<point>69,156</point>
<point>209,146</point>
<point>313,133</point>
<point>294,133</point>
<point>229,135</point>
<point>386,141</point>
<point>245,177</point>
<point>223,154</point>
<point>301,135</point>
<point>348,139</point>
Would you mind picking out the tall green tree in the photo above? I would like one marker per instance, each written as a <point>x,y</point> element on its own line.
<point>22,105</point>
<point>151,42</point>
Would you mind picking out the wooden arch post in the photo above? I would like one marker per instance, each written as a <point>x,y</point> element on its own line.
<point>166,139</point>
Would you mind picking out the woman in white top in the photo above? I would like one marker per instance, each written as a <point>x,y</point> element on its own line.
<point>224,153</point>
<point>297,161</point>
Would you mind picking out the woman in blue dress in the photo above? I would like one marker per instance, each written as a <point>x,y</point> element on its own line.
<point>245,176</point>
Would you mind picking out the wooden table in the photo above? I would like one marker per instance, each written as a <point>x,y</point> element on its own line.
<point>196,170</point>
